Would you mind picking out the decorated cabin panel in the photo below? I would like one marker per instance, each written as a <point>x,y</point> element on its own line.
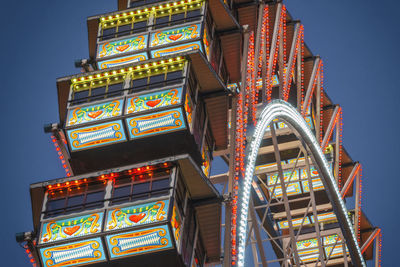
<point>171,50</point>
<point>325,217</point>
<point>316,183</point>
<point>205,154</point>
<point>139,241</point>
<point>156,123</point>
<point>74,254</point>
<point>115,62</point>
<point>148,213</point>
<point>291,190</point>
<point>175,35</point>
<point>207,42</point>
<point>288,176</point>
<point>122,47</point>
<point>308,249</point>
<point>333,246</point>
<point>96,112</point>
<point>95,136</point>
<point>189,109</point>
<point>296,223</point>
<point>69,228</point>
<point>176,224</point>
<point>153,101</point>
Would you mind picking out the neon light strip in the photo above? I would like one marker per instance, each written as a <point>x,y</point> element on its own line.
<point>282,110</point>
<point>60,155</point>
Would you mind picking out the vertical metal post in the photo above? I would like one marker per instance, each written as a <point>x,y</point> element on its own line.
<point>232,136</point>
<point>253,245</point>
<point>314,208</point>
<point>281,63</point>
<point>298,78</point>
<point>377,240</point>
<point>228,206</point>
<point>318,107</point>
<point>310,87</point>
<point>256,231</point>
<point>346,264</point>
<point>337,150</point>
<point>358,208</point>
<point>285,198</point>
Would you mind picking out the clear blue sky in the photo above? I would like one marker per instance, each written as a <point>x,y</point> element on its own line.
<point>358,41</point>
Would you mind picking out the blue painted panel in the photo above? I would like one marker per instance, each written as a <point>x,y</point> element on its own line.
<point>147,213</point>
<point>152,101</point>
<point>96,112</point>
<point>156,123</point>
<point>121,47</point>
<point>73,227</point>
<point>72,254</point>
<point>97,135</point>
<point>119,61</point>
<point>187,47</point>
<point>175,35</point>
<point>138,242</point>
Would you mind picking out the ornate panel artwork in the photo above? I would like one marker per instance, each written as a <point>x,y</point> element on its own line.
<point>95,112</point>
<point>77,253</point>
<point>291,190</point>
<point>97,135</point>
<point>188,109</point>
<point>206,160</point>
<point>308,249</point>
<point>170,36</point>
<point>138,242</point>
<point>123,46</point>
<point>187,47</point>
<point>176,223</point>
<point>325,217</point>
<point>296,223</point>
<point>70,228</point>
<point>153,212</point>
<point>317,183</point>
<point>336,248</point>
<point>105,64</point>
<point>288,176</point>
<point>206,42</point>
<point>155,123</point>
<point>155,100</point>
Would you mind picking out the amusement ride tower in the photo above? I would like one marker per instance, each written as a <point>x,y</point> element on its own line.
<point>168,87</point>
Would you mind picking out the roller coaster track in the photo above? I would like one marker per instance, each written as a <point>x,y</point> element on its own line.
<point>276,64</point>
<point>282,110</point>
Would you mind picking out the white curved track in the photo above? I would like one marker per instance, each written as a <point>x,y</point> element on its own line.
<point>279,109</point>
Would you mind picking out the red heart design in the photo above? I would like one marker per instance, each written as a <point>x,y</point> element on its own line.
<point>307,244</point>
<point>122,48</point>
<point>71,230</point>
<point>94,114</point>
<point>153,103</point>
<point>136,218</point>
<point>175,37</point>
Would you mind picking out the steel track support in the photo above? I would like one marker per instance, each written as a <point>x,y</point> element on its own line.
<point>332,123</point>
<point>311,85</point>
<point>357,207</point>
<point>285,198</point>
<point>256,231</point>
<point>350,179</point>
<point>314,209</point>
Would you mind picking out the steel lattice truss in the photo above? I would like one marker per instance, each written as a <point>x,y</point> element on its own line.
<point>288,173</point>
